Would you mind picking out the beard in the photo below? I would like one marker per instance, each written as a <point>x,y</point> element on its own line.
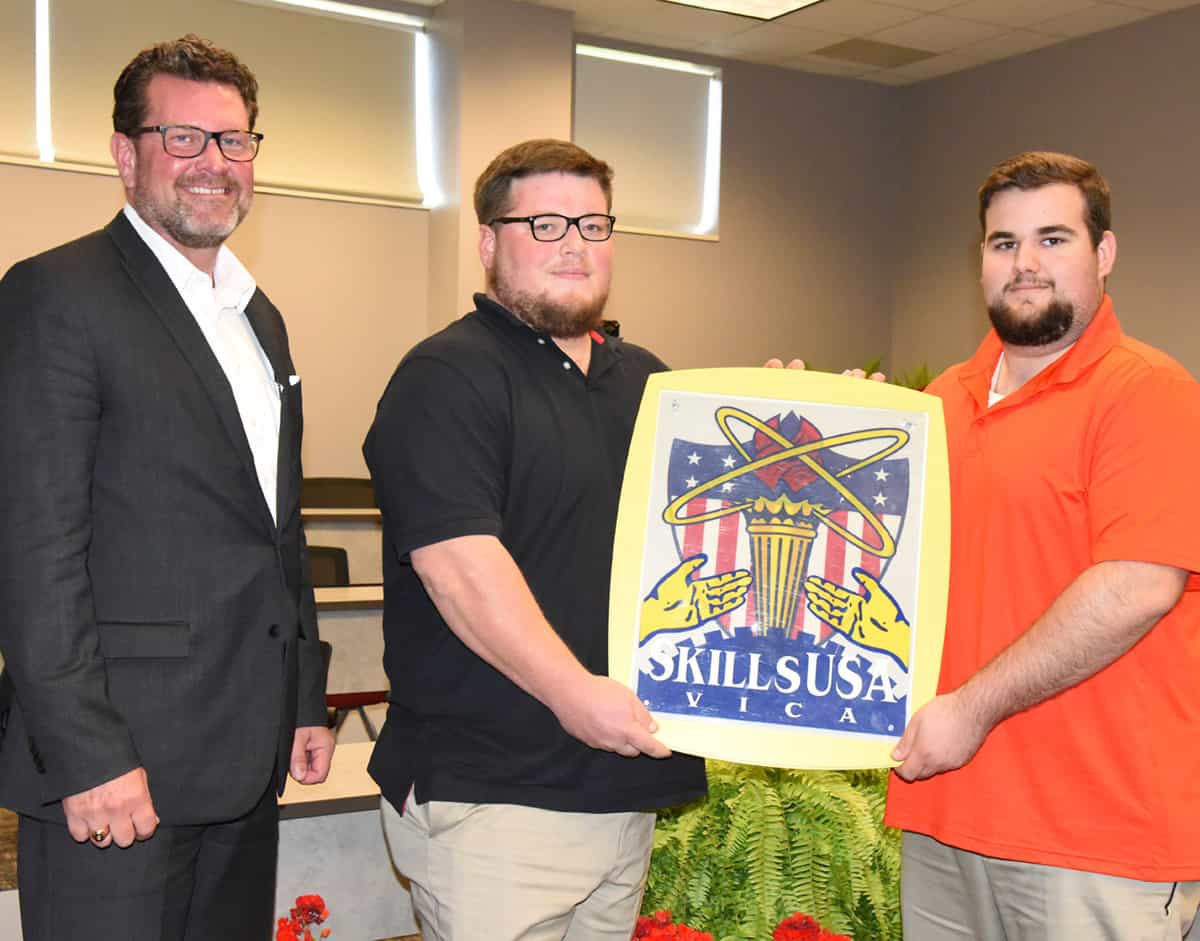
<point>183,223</point>
<point>563,320</point>
<point>1047,326</point>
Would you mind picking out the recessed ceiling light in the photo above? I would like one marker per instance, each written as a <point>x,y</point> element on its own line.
<point>756,9</point>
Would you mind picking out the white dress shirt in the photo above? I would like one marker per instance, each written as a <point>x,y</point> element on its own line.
<point>219,306</point>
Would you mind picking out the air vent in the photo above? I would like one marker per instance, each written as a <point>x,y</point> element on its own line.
<point>869,52</point>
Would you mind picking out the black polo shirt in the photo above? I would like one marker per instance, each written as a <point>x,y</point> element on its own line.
<point>488,428</point>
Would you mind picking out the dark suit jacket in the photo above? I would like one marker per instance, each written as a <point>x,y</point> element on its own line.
<point>151,611</point>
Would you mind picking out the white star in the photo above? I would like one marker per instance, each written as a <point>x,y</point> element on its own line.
<point>727,486</point>
<point>690,482</point>
<point>729,461</point>
<point>880,499</point>
<point>881,474</point>
<point>693,458</point>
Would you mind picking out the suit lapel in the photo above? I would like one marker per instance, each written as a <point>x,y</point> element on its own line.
<point>154,284</point>
<point>268,328</point>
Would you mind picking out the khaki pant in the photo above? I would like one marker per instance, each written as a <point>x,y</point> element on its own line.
<point>950,894</point>
<point>510,873</point>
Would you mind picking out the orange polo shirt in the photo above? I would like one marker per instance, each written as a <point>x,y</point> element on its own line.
<point>1097,458</point>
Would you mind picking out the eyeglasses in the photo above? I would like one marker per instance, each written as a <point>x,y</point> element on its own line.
<point>550,227</point>
<point>183,140</point>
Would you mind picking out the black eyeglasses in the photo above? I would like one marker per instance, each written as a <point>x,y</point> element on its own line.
<point>183,140</point>
<point>550,227</point>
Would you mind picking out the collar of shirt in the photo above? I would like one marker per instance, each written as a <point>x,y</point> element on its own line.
<point>606,351</point>
<point>1102,334</point>
<point>231,286</point>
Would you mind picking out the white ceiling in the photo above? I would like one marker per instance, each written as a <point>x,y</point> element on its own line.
<point>960,33</point>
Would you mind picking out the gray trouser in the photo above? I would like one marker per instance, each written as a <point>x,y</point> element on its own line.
<point>949,894</point>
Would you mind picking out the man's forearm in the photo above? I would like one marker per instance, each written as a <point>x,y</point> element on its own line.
<point>1102,614</point>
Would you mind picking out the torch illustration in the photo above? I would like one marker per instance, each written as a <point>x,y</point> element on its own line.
<point>782,526</point>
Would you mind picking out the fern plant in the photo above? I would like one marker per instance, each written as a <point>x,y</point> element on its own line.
<point>768,842</point>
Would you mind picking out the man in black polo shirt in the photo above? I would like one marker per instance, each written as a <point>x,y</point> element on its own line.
<point>516,774</point>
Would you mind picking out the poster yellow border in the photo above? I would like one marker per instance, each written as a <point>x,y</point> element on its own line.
<point>756,743</point>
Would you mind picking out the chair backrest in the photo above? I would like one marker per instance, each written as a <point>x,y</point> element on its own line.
<point>353,492</point>
<point>330,566</point>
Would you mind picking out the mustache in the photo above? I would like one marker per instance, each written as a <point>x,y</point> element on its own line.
<point>1029,281</point>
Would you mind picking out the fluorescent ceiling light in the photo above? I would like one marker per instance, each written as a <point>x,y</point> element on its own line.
<point>45,140</point>
<point>712,162</point>
<point>636,58</point>
<point>427,168</point>
<point>348,11</point>
<point>758,9</point>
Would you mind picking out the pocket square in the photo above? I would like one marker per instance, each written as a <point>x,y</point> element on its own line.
<point>293,380</point>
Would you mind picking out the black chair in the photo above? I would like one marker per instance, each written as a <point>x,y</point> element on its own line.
<point>330,566</point>
<point>340,705</point>
<point>349,492</point>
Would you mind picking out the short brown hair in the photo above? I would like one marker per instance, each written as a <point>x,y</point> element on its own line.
<point>189,57</point>
<point>1037,168</point>
<point>545,155</point>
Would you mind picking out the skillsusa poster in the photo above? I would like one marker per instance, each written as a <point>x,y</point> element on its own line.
<point>782,554</point>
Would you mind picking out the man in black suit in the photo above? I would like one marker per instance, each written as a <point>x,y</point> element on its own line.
<point>162,667</point>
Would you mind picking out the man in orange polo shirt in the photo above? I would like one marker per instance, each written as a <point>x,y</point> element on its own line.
<point>1052,789</point>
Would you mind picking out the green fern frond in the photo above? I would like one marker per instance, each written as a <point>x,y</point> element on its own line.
<point>768,842</point>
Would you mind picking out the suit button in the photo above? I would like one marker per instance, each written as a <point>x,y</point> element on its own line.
<point>273,630</point>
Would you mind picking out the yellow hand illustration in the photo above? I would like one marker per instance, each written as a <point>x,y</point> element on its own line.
<point>676,603</point>
<point>872,619</point>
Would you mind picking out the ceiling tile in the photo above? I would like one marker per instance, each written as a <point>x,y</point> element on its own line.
<point>882,55</point>
<point>1017,13</point>
<point>1160,5</point>
<point>977,30</point>
<point>824,66</point>
<point>853,17</point>
<point>663,19</point>
<point>933,68</point>
<point>762,10</point>
<point>590,7</point>
<point>1094,19</point>
<point>771,43</point>
<point>1007,44</point>
<point>938,33</point>
<point>925,6</point>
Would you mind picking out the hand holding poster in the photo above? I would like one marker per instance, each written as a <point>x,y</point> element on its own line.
<point>782,555</point>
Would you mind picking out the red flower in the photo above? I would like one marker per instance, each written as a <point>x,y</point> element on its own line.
<point>801,927</point>
<point>286,931</point>
<point>309,910</point>
<point>659,927</point>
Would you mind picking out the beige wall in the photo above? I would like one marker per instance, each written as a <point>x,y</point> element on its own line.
<point>847,224</point>
<point>350,280</point>
<point>800,268</point>
<point>1125,99</point>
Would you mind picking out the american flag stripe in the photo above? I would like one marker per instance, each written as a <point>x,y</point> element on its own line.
<point>835,559</point>
<point>727,547</point>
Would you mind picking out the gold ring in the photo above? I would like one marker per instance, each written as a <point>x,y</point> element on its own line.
<point>100,834</point>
